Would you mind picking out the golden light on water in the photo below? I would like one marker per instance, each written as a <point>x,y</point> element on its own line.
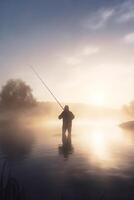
<point>101,142</point>
<point>99,145</point>
<point>105,147</point>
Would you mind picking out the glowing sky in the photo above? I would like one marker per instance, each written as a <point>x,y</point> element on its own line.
<point>82,48</point>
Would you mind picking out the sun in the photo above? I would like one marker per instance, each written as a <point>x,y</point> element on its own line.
<point>98,99</point>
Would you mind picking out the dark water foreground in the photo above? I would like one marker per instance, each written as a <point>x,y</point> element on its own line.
<point>97,164</point>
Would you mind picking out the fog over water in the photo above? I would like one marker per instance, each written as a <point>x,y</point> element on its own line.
<point>100,155</point>
<point>79,53</point>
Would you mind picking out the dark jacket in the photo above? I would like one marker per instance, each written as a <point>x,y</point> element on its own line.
<point>67,117</point>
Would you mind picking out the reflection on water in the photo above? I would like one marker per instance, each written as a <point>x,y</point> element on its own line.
<point>107,148</point>
<point>15,140</point>
<point>66,148</point>
<point>96,161</point>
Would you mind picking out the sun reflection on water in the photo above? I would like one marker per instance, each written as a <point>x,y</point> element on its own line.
<point>100,142</point>
<point>106,147</point>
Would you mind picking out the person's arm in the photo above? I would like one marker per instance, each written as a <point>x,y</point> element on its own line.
<point>72,116</point>
<point>61,116</point>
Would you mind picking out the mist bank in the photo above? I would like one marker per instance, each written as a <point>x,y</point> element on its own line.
<point>51,110</point>
<point>17,102</point>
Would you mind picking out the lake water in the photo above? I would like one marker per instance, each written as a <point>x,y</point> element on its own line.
<point>98,163</point>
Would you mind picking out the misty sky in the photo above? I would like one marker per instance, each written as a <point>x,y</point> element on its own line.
<point>83,49</point>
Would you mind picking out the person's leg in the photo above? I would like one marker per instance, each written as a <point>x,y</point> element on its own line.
<point>69,131</point>
<point>69,134</point>
<point>63,134</point>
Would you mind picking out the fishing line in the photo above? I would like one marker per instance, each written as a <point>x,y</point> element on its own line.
<point>45,85</point>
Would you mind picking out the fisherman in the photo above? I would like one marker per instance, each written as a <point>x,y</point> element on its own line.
<point>67,117</point>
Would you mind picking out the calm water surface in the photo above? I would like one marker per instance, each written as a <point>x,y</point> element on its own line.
<point>97,164</point>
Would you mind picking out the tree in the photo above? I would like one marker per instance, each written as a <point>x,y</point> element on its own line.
<point>129,109</point>
<point>16,94</point>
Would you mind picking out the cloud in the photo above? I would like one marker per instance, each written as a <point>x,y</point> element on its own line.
<point>89,50</point>
<point>129,38</point>
<point>125,17</point>
<point>125,12</point>
<point>99,19</point>
<point>83,53</point>
<point>121,13</point>
<point>72,60</point>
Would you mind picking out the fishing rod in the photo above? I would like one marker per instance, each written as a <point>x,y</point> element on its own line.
<point>45,85</point>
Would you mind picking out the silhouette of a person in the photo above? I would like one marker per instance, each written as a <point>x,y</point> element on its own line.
<point>67,117</point>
